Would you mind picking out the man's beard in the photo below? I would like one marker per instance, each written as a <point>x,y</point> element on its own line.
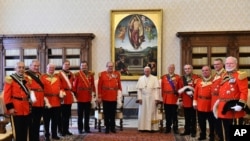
<point>230,69</point>
<point>85,71</point>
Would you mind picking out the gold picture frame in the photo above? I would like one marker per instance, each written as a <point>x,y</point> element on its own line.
<point>136,41</point>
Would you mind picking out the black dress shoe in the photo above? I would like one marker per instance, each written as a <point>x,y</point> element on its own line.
<point>211,139</point>
<point>167,131</point>
<point>87,131</point>
<point>201,138</point>
<point>63,134</point>
<point>106,131</point>
<point>56,138</point>
<point>47,139</point>
<point>193,135</point>
<point>184,134</point>
<point>69,133</point>
<point>113,130</point>
<point>176,132</point>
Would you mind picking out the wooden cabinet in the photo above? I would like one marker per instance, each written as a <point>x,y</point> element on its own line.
<point>201,48</point>
<point>47,48</point>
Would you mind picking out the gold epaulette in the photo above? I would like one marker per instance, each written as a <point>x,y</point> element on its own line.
<point>27,76</point>
<point>91,72</point>
<point>76,73</point>
<point>195,81</point>
<point>242,101</point>
<point>118,72</point>
<point>242,75</point>
<point>8,79</point>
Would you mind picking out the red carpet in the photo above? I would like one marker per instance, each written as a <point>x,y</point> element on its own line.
<point>128,134</point>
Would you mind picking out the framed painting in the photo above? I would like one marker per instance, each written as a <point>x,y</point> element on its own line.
<point>136,41</point>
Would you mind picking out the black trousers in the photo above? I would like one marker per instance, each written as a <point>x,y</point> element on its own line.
<point>202,118</point>
<point>171,113</point>
<point>109,110</point>
<point>65,116</point>
<point>53,115</point>
<point>20,125</point>
<point>217,125</point>
<point>35,122</point>
<point>83,107</point>
<point>190,120</point>
<point>224,133</point>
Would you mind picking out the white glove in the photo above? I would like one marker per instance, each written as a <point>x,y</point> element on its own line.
<point>47,104</point>
<point>32,96</point>
<point>215,108</point>
<point>62,94</point>
<point>184,88</point>
<point>74,97</point>
<point>179,102</point>
<point>190,93</point>
<point>237,108</point>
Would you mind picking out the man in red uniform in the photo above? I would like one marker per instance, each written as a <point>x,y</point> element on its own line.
<point>16,98</point>
<point>38,106</point>
<point>108,85</point>
<point>67,78</point>
<point>215,87</point>
<point>84,87</point>
<point>170,84</point>
<point>188,84</point>
<point>52,88</point>
<point>234,86</point>
<point>202,103</point>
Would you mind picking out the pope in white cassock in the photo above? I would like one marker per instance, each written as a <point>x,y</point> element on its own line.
<point>148,97</point>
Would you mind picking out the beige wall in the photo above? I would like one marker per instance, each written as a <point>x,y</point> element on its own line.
<point>74,16</point>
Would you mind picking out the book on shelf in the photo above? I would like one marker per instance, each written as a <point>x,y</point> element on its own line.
<point>199,61</point>
<point>199,50</point>
<point>9,72</point>
<point>30,52</point>
<point>57,62</point>
<point>74,61</point>
<point>73,51</point>
<point>244,60</point>
<point>27,62</point>
<point>56,51</point>
<point>219,49</point>
<point>244,49</point>
<point>12,52</point>
<point>11,62</point>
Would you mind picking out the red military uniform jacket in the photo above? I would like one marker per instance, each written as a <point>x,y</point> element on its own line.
<point>170,95</point>
<point>186,99</point>
<point>52,87</point>
<point>15,97</point>
<point>84,86</point>
<point>234,86</point>
<point>36,86</point>
<point>108,85</point>
<point>67,86</point>
<point>216,86</point>
<point>202,95</point>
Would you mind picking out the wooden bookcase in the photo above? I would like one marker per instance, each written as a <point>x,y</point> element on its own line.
<point>201,48</point>
<point>47,48</point>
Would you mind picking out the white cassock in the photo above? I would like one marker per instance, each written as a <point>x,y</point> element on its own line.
<point>148,92</point>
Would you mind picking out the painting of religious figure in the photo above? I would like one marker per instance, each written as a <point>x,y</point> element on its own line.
<point>136,41</point>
